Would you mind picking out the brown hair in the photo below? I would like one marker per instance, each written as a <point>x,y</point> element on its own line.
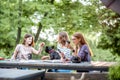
<point>62,37</point>
<point>82,41</point>
<point>27,36</point>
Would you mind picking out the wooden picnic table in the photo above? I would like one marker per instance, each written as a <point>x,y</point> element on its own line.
<point>17,74</point>
<point>57,64</point>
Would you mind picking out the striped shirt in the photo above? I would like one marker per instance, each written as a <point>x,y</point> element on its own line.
<point>65,50</point>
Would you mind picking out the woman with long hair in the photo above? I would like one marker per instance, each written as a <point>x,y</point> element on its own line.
<point>64,46</point>
<point>82,48</point>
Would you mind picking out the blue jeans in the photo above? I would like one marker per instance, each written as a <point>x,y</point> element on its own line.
<point>59,70</point>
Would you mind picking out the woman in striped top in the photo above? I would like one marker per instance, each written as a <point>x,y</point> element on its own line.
<point>64,46</point>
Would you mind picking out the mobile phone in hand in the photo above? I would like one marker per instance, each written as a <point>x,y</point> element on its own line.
<point>59,51</point>
<point>68,42</point>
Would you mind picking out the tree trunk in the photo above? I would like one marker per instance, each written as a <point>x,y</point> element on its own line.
<point>52,1</point>
<point>18,35</point>
<point>19,22</point>
<point>38,32</point>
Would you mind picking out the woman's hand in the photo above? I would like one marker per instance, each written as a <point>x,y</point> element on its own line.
<point>62,55</point>
<point>40,48</point>
<point>42,44</point>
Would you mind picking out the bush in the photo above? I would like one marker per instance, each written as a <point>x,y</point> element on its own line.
<point>114,72</point>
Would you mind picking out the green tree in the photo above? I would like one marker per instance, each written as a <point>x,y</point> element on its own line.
<point>110,38</point>
<point>64,15</point>
<point>18,16</point>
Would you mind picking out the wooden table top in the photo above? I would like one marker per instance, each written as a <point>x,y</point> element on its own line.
<point>57,64</point>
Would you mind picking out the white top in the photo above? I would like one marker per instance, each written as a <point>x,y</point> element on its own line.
<point>65,50</point>
<point>23,52</point>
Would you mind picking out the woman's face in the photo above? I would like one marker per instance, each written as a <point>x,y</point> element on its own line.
<point>28,40</point>
<point>75,40</point>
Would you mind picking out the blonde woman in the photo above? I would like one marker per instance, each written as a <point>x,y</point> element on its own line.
<point>64,46</point>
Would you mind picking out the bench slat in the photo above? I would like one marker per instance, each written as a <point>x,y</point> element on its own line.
<point>15,74</point>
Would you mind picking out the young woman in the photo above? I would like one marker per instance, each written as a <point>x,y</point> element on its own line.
<point>82,49</point>
<point>64,46</point>
<point>23,51</point>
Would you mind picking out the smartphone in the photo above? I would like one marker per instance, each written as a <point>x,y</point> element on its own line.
<point>68,42</point>
<point>59,51</point>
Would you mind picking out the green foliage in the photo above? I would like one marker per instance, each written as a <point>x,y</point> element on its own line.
<point>110,38</point>
<point>114,72</point>
<point>104,55</point>
<point>74,16</point>
<point>64,15</point>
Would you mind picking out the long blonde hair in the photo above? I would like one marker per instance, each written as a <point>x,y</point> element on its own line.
<point>82,42</point>
<point>63,37</point>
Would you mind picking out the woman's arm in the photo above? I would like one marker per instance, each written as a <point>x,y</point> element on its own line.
<point>39,50</point>
<point>15,52</point>
<point>81,52</point>
<point>45,57</point>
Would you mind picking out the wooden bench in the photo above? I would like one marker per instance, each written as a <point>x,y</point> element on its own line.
<point>76,76</point>
<point>15,74</point>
